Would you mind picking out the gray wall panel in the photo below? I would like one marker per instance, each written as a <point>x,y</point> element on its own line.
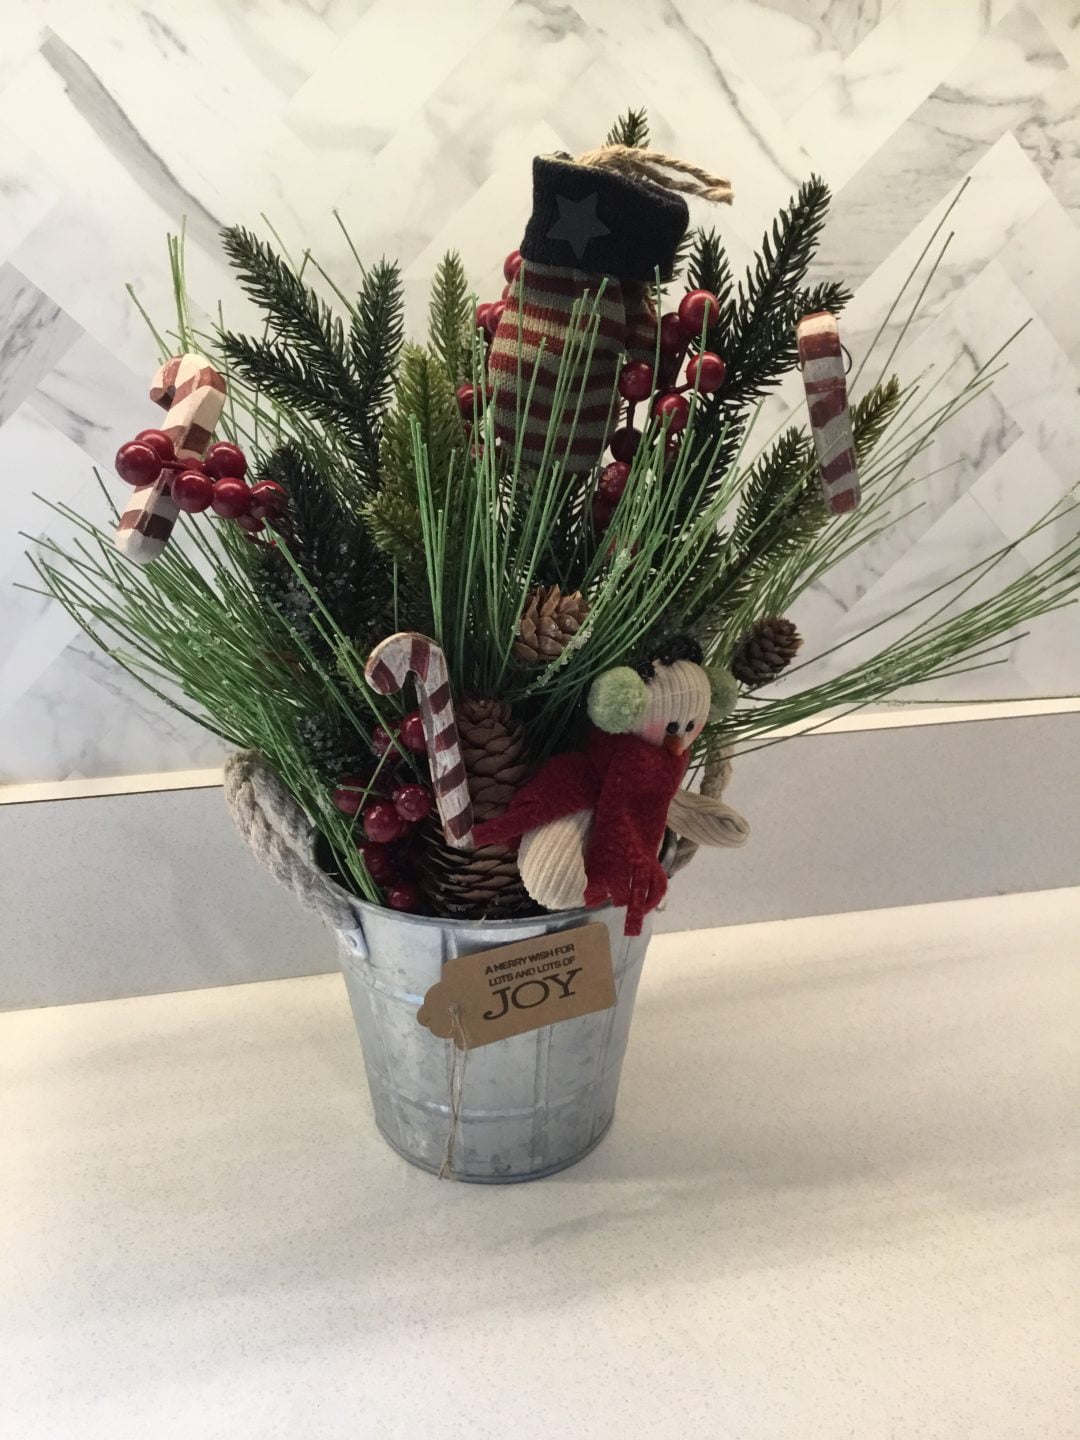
<point>135,894</point>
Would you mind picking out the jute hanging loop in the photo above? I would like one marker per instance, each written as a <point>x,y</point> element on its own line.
<point>659,168</point>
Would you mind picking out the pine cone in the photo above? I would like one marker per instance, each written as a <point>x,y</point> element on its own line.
<point>767,648</point>
<point>548,623</point>
<point>482,884</point>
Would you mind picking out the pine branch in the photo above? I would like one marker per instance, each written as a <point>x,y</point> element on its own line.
<point>630,129</point>
<point>306,362</point>
<point>450,318</point>
<point>683,252</point>
<point>376,334</point>
<point>781,507</point>
<point>296,314</point>
<point>871,415</point>
<point>775,490</point>
<point>336,555</point>
<point>424,398</point>
<point>755,333</point>
<point>301,385</point>
<point>708,267</point>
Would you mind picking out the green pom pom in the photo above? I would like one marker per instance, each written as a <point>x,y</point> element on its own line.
<point>617,700</point>
<point>724,689</point>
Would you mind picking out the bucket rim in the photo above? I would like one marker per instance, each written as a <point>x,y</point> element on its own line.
<point>547,918</point>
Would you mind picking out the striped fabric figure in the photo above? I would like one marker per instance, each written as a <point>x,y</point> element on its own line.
<point>193,393</point>
<point>534,330</point>
<point>822,359</point>
<point>595,236</point>
<point>387,668</point>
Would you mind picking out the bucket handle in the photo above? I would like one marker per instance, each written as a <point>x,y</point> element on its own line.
<point>282,838</point>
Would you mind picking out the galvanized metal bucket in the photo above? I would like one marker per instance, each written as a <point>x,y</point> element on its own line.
<point>518,1109</point>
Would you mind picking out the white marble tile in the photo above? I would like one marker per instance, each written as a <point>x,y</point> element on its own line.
<point>1024,257</point>
<point>995,90</point>
<point>962,536</point>
<point>332,110</point>
<point>885,79</point>
<point>788,49</point>
<point>36,335</point>
<point>27,191</point>
<point>1019,492</point>
<point>85,716</point>
<point>286,39</point>
<point>1061,20</point>
<point>679,55</point>
<point>995,201</point>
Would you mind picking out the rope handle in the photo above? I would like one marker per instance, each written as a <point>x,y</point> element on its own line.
<point>282,839</point>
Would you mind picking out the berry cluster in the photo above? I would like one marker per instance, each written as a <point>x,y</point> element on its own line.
<point>216,482</point>
<point>388,810</point>
<point>706,372</point>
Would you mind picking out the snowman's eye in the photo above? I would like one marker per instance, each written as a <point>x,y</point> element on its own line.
<point>690,724</point>
<point>673,727</point>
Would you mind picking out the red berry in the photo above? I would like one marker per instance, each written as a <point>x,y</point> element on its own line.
<point>382,823</point>
<point>411,733</point>
<point>405,895</point>
<point>349,794</point>
<point>268,500</point>
<point>138,463</point>
<point>672,340</point>
<point>380,862</point>
<point>511,265</point>
<point>224,460</point>
<point>505,291</point>
<point>381,740</point>
<point>613,480</point>
<point>159,442</point>
<point>250,524</point>
<point>673,408</point>
<point>624,443</point>
<point>192,491</point>
<point>465,399</point>
<point>707,371</point>
<point>636,380</point>
<point>697,308</point>
<point>232,498</point>
<point>412,802</point>
<point>482,314</point>
<point>494,315</point>
<point>602,511</point>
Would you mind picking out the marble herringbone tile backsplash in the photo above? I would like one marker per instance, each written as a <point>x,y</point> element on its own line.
<point>417,119</point>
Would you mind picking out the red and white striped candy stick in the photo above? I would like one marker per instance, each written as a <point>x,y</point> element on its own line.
<point>387,668</point>
<point>822,359</point>
<point>193,393</point>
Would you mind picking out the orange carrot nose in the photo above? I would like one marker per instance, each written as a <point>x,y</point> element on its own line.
<point>675,743</point>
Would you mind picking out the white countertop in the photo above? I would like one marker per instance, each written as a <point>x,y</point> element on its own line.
<point>840,1200</point>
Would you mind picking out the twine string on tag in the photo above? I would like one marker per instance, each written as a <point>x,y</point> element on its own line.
<point>457,1059</point>
<point>655,167</point>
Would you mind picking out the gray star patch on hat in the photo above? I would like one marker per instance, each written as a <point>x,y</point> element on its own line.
<point>578,223</point>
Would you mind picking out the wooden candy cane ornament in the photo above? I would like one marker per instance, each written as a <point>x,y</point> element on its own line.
<point>822,359</point>
<point>193,393</point>
<point>388,665</point>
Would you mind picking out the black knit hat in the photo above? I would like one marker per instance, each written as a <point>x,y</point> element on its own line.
<point>603,222</point>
